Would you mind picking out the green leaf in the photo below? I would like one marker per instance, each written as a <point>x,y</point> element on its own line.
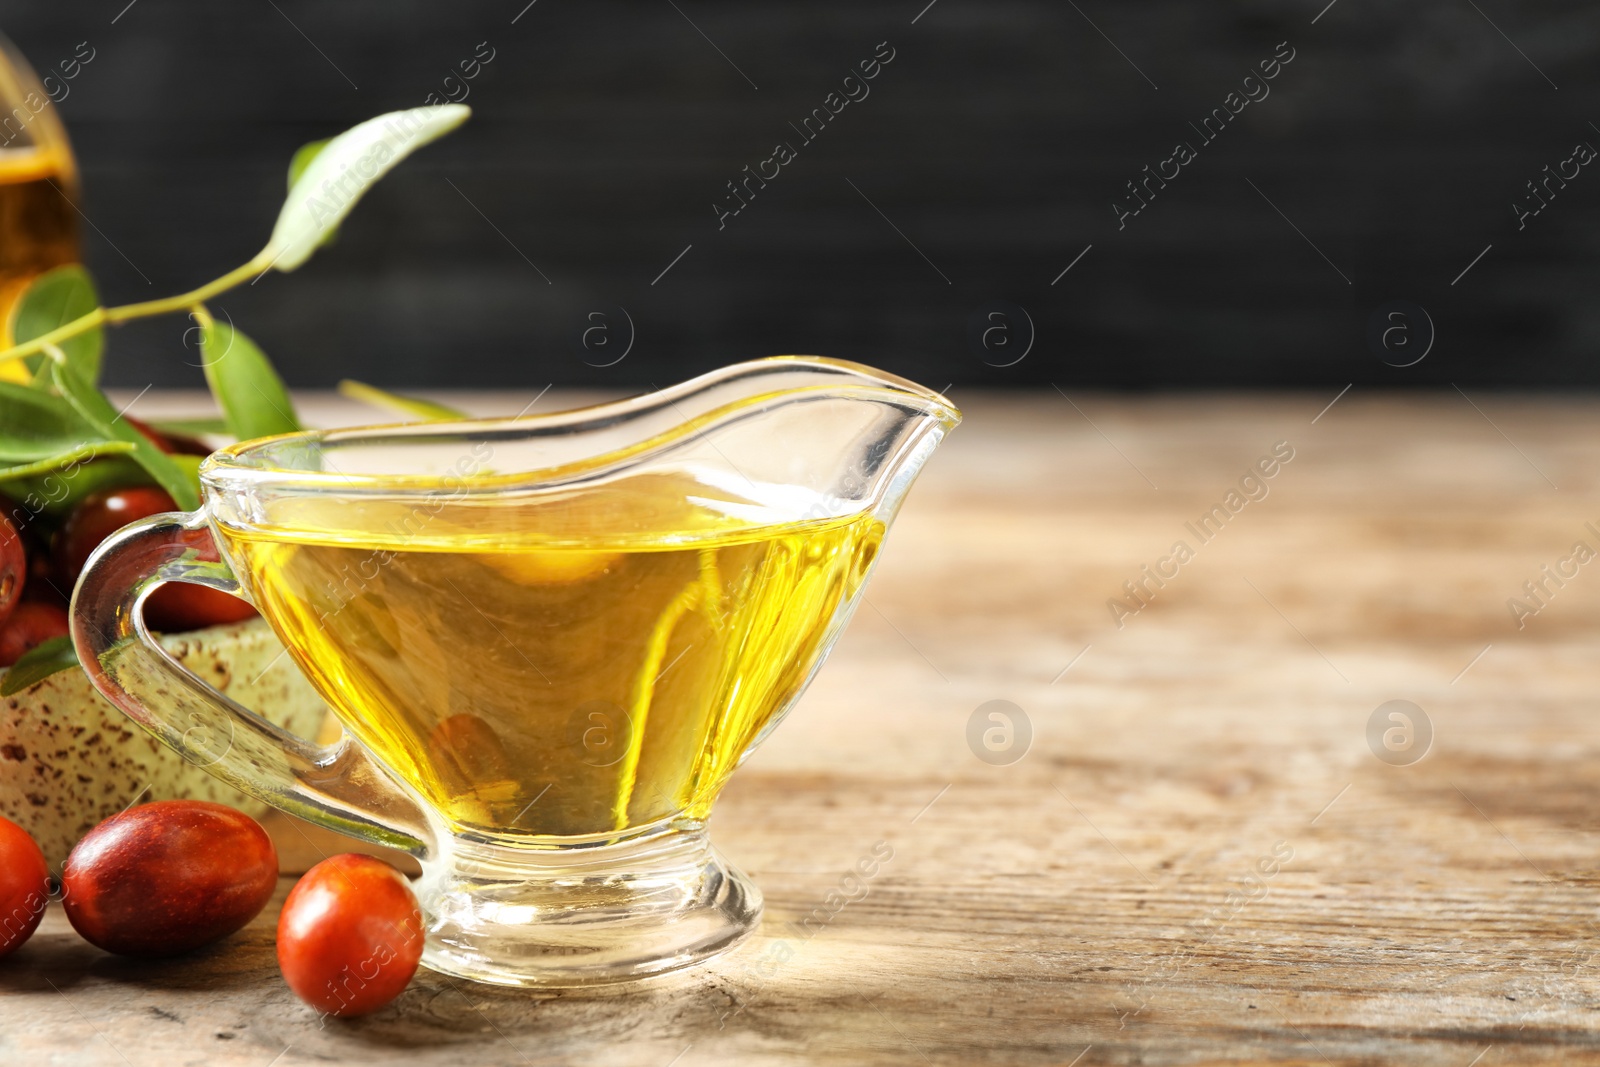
<point>36,425</point>
<point>37,664</point>
<point>63,460</point>
<point>190,466</point>
<point>297,166</point>
<point>57,489</point>
<point>54,299</point>
<point>190,427</point>
<point>337,176</point>
<point>405,405</point>
<point>95,409</point>
<point>252,396</point>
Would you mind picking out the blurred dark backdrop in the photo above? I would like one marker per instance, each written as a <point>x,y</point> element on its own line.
<point>985,160</point>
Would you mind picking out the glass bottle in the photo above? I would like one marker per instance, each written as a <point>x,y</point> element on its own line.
<point>38,188</point>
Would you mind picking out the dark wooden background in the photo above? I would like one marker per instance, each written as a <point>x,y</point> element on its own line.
<point>996,141</point>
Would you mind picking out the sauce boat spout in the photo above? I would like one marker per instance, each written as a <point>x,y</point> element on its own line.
<point>803,436</point>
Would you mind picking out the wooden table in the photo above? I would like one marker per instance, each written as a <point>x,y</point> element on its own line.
<point>1199,858</point>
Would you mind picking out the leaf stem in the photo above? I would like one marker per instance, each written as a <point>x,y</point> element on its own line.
<point>102,315</point>
<point>184,301</point>
<point>202,318</point>
<point>81,324</point>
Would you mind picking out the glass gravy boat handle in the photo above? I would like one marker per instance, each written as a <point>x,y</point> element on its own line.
<point>338,786</point>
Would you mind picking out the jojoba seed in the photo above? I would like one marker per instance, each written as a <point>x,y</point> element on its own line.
<point>168,877</point>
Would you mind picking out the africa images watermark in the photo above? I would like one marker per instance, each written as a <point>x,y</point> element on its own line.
<point>349,583</point>
<point>56,90</point>
<point>1252,488</point>
<point>1539,592</point>
<point>1210,128</point>
<point>470,69</point>
<point>855,89</point>
<point>1583,154</point>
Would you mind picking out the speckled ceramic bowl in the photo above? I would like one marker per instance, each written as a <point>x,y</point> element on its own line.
<point>69,759</point>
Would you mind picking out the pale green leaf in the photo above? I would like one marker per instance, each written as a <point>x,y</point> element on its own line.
<point>252,396</point>
<point>342,172</point>
<point>405,405</point>
<point>297,166</point>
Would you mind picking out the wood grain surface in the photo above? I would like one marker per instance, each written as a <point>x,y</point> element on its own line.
<point>1198,858</point>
